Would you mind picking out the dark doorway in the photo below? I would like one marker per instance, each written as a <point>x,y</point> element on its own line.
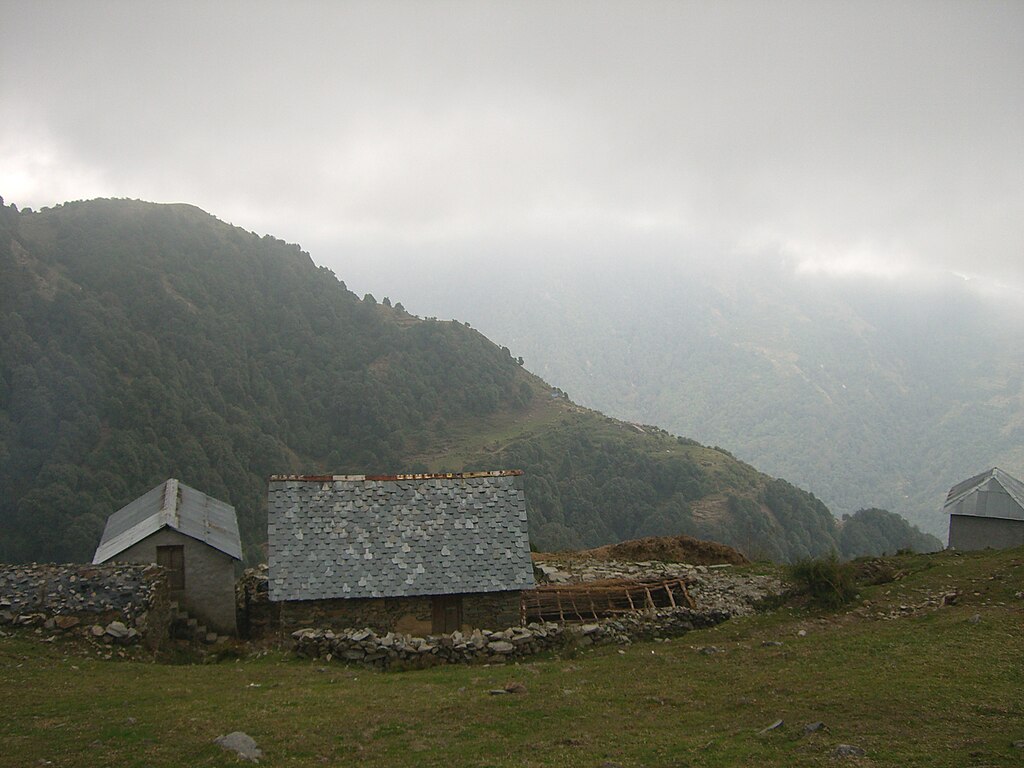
<point>173,560</point>
<point>447,614</point>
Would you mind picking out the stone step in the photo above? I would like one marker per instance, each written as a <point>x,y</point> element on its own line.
<point>184,626</point>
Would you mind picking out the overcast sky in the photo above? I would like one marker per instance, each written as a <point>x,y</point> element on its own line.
<point>884,137</point>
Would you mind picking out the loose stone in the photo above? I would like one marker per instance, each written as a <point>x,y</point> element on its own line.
<point>848,750</point>
<point>241,744</point>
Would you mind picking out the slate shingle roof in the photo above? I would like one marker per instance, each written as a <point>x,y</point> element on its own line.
<point>993,493</point>
<point>174,505</point>
<point>354,536</point>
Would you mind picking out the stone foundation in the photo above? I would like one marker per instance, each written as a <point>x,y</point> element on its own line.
<point>404,615</point>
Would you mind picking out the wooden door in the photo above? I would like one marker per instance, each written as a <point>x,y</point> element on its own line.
<point>447,614</point>
<point>173,560</point>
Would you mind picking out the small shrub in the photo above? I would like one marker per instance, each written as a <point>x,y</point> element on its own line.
<point>829,582</point>
<point>875,571</point>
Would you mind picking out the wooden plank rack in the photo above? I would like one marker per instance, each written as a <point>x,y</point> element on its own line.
<point>592,600</point>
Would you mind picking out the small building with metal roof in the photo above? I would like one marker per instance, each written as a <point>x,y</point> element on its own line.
<point>193,536</point>
<point>419,554</point>
<point>985,511</point>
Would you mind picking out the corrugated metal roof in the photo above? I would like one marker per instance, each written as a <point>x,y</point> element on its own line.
<point>340,537</point>
<point>174,505</point>
<point>1013,487</point>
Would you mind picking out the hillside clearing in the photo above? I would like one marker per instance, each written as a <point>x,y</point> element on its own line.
<point>924,686</point>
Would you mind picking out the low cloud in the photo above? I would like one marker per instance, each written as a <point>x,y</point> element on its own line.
<point>840,139</point>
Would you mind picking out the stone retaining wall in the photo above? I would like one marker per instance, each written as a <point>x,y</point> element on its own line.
<point>258,618</point>
<point>114,603</point>
<point>364,646</point>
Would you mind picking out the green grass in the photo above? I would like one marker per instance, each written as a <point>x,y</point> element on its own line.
<point>467,439</point>
<point>930,689</point>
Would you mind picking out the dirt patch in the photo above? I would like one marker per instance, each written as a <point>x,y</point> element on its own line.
<point>710,508</point>
<point>669,549</point>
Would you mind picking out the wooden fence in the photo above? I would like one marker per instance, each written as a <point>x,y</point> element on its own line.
<point>600,599</point>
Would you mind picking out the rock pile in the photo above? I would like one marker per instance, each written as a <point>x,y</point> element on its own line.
<point>737,594</point>
<point>115,632</point>
<point>578,570</point>
<point>257,616</point>
<point>673,549</point>
<point>364,646</point>
<point>713,587</point>
<point>110,603</point>
<point>928,601</point>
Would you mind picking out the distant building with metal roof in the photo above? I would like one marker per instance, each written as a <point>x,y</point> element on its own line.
<point>986,510</point>
<point>193,536</point>
<point>417,553</point>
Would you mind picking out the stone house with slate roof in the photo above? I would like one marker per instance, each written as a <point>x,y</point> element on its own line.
<point>418,554</point>
<point>193,536</point>
<point>986,510</point>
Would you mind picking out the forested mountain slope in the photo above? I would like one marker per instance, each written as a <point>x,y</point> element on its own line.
<point>141,341</point>
<point>867,392</point>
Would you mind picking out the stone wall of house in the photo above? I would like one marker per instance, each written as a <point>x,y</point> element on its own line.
<point>406,615</point>
<point>381,615</point>
<point>492,610</point>
<point>967,532</point>
<point>115,603</point>
<point>209,593</point>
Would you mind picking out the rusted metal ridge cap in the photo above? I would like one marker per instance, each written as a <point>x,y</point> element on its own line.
<point>382,478</point>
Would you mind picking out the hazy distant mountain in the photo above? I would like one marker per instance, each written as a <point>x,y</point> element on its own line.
<point>869,393</point>
<point>140,342</point>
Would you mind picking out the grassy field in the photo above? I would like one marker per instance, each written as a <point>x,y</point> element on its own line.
<point>933,686</point>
